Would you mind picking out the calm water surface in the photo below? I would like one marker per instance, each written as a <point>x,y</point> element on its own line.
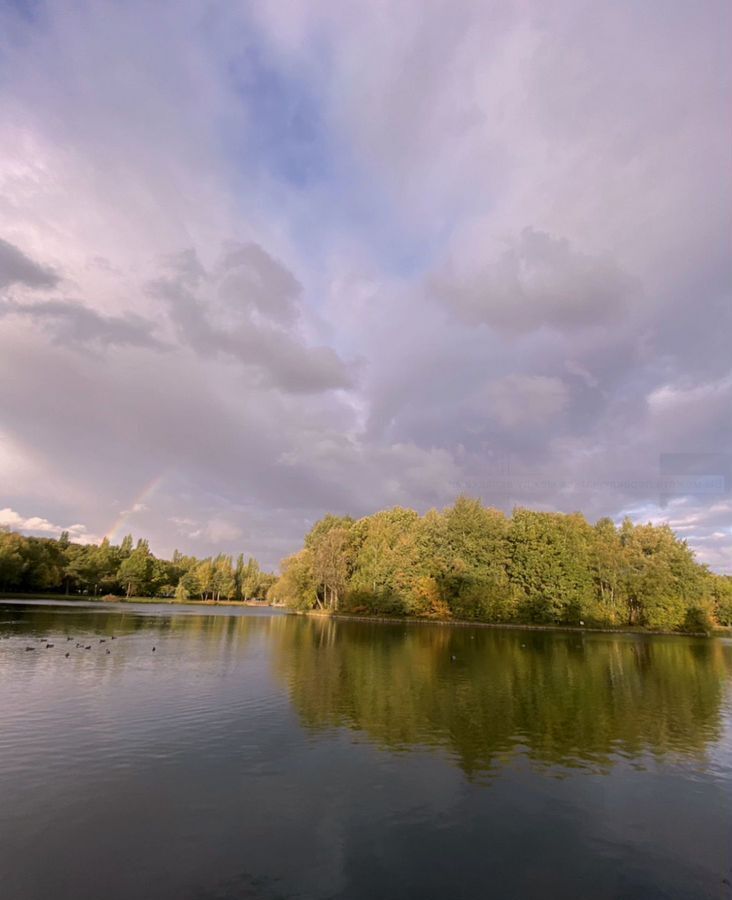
<point>259,755</point>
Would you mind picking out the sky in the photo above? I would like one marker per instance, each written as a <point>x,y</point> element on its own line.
<point>263,261</point>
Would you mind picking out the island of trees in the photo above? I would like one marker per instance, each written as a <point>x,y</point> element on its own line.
<point>468,562</point>
<point>471,562</point>
<point>44,565</point>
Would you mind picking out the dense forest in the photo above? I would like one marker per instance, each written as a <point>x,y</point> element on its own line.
<point>45,565</point>
<point>471,562</point>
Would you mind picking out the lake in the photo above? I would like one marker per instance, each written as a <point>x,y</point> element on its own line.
<point>253,754</point>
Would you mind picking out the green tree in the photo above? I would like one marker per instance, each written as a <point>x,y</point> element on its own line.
<point>204,574</point>
<point>11,559</point>
<point>472,559</point>
<point>125,547</point>
<point>223,583</point>
<point>135,571</point>
<point>250,579</point>
<point>550,564</point>
<point>296,587</point>
<point>720,592</point>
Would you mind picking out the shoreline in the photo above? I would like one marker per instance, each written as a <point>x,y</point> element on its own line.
<point>514,626</point>
<point>719,631</point>
<point>158,601</point>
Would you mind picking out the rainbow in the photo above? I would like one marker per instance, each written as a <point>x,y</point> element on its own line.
<point>147,491</point>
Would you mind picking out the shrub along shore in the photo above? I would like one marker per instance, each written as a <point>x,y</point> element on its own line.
<point>715,631</point>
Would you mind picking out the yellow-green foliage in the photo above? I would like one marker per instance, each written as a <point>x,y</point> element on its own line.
<point>472,562</point>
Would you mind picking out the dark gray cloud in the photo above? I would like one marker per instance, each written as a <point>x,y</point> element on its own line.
<point>246,311</point>
<point>17,268</point>
<point>250,277</point>
<point>72,323</point>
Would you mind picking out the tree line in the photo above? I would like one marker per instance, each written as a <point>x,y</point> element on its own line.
<point>466,562</point>
<point>47,565</point>
<point>472,562</point>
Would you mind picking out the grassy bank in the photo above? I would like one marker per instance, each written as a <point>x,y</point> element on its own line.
<point>510,626</point>
<point>174,602</point>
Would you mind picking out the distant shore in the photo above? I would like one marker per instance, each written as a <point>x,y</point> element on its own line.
<point>510,626</point>
<point>169,601</point>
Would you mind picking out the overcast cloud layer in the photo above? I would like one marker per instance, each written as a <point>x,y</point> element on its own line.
<point>263,261</point>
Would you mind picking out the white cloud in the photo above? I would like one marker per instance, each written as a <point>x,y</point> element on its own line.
<point>182,521</point>
<point>135,508</point>
<point>9,518</point>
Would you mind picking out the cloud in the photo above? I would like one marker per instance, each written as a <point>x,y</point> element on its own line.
<point>183,521</point>
<point>135,508</point>
<point>9,518</point>
<point>242,311</point>
<point>74,323</point>
<point>538,280</point>
<point>377,475</point>
<point>576,368</point>
<point>17,268</point>
<point>517,401</point>
<point>431,248</point>
<point>219,531</point>
<point>251,278</point>
<point>213,531</point>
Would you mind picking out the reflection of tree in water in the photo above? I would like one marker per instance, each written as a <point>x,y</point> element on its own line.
<point>566,698</point>
<point>480,693</point>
